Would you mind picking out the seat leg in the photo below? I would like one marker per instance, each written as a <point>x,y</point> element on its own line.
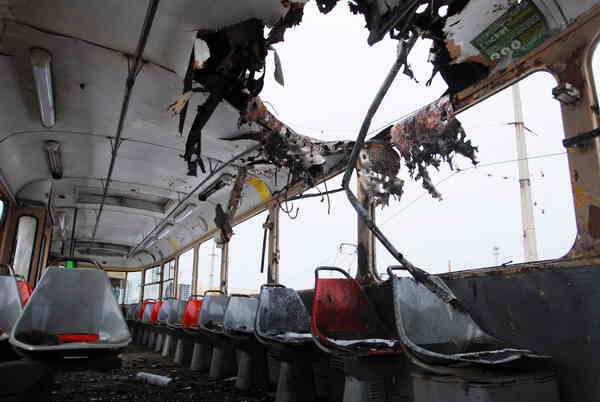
<point>167,345</point>
<point>368,390</point>
<point>244,373</point>
<point>151,339</point>
<point>200,357</point>
<point>222,363</point>
<point>296,382</point>
<point>159,342</point>
<point>178,358</point>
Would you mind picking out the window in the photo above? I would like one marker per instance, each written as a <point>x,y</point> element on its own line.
<point>184,274</point>
<point>478,222</point>
<point>245,252</point>
<point>118,289</point>
<point>152,283</point>
<point>24,245</point>
<point>209,266</point>
<point>316,238</point>
<point>3,209</point>
<point>134,286</point>
<point>168,279</point>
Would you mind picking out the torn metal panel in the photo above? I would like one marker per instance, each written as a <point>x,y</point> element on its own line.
<point>305,157</point>
<point>429,137</point>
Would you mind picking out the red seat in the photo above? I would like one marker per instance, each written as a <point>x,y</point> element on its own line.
<point>25,291</point>
<point>191,314</point>
<point>155,310</point>
<point>144,304</point>
<point>343,318</point>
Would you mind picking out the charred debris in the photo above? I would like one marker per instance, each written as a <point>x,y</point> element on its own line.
<point>229,65</point>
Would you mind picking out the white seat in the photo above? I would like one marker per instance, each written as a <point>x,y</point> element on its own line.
<point>71,310</point>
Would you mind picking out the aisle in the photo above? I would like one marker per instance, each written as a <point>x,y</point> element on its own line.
<point>121,384</point>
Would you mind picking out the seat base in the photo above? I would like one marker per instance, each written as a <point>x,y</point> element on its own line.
<point>520,387</point>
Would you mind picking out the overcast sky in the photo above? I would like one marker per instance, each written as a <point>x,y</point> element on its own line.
<point>331,76</point>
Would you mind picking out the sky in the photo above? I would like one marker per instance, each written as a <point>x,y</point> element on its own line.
<point>331,76</point>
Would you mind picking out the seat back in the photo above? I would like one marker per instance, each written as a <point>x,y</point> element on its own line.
<point>342,310</point>
<point>75,306</point>
<point>10,304</point>
<point>281,310</point>
<point>424,319</point>
<point>155,310</point>
<point>240,314</point>
<point>165,308</point>
<point>176,313</point>
<point>191,314</point>
<point>147,313</point>
<point>142,310</point>
<point>213,312</point>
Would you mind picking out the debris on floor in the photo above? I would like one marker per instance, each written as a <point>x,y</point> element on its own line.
<point>121,384</point>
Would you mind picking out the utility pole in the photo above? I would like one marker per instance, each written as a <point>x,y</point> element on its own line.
<point>496,254</point>
<point>527,220</point>
<point>213,254</point>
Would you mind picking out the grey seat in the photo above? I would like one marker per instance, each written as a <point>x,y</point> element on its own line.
<point>11,306</point>
<point>240,316</point>
<point>71,312</point>
<point>282,316</point>
<point>439,334</point>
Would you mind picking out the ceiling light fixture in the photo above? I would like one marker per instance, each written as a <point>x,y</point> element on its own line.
<point>185,212</point>
<point>224,180</point>
<point>41,63</point>
<point>164,232</point>
<point>55,164</point>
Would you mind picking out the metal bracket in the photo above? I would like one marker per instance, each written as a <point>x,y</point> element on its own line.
<point>581,140</point>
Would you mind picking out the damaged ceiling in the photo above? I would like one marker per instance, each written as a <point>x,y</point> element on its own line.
<point>196,107</point>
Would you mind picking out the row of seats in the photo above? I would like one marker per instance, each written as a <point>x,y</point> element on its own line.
<point>308,340</point>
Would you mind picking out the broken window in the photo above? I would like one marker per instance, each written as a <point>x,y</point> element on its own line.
<point>245,255</point>
<point>315,237</point>
<point>478,220</point>
<point>152,283</point>
<point>168,279</point>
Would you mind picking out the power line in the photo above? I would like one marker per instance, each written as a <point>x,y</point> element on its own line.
<point>411,203</point>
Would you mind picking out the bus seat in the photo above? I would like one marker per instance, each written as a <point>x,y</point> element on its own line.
<point>346,325</point>
<point>71,313</point>
<point>282,316</point>
<point>213,312</point>
<point>143,309</point>
<point>191,314</point>
<point>200,356</point>
<point>238,324</point>
<point>211,322</point>
<point>240,316</point>
<point>442,335</point>
<point>344,320</point>
<point>10,305</point>
<point>283,324</point>
<point>155,309</point>
<point>174,323</point>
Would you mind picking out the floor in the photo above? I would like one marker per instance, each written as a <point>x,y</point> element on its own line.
<point>122,384</point>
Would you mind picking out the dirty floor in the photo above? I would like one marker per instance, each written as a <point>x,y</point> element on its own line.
<point>121,384</point>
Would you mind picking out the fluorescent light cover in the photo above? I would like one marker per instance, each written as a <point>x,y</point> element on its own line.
<point>41,63</point>
<point>164,232</point>
<point>185,212</point>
